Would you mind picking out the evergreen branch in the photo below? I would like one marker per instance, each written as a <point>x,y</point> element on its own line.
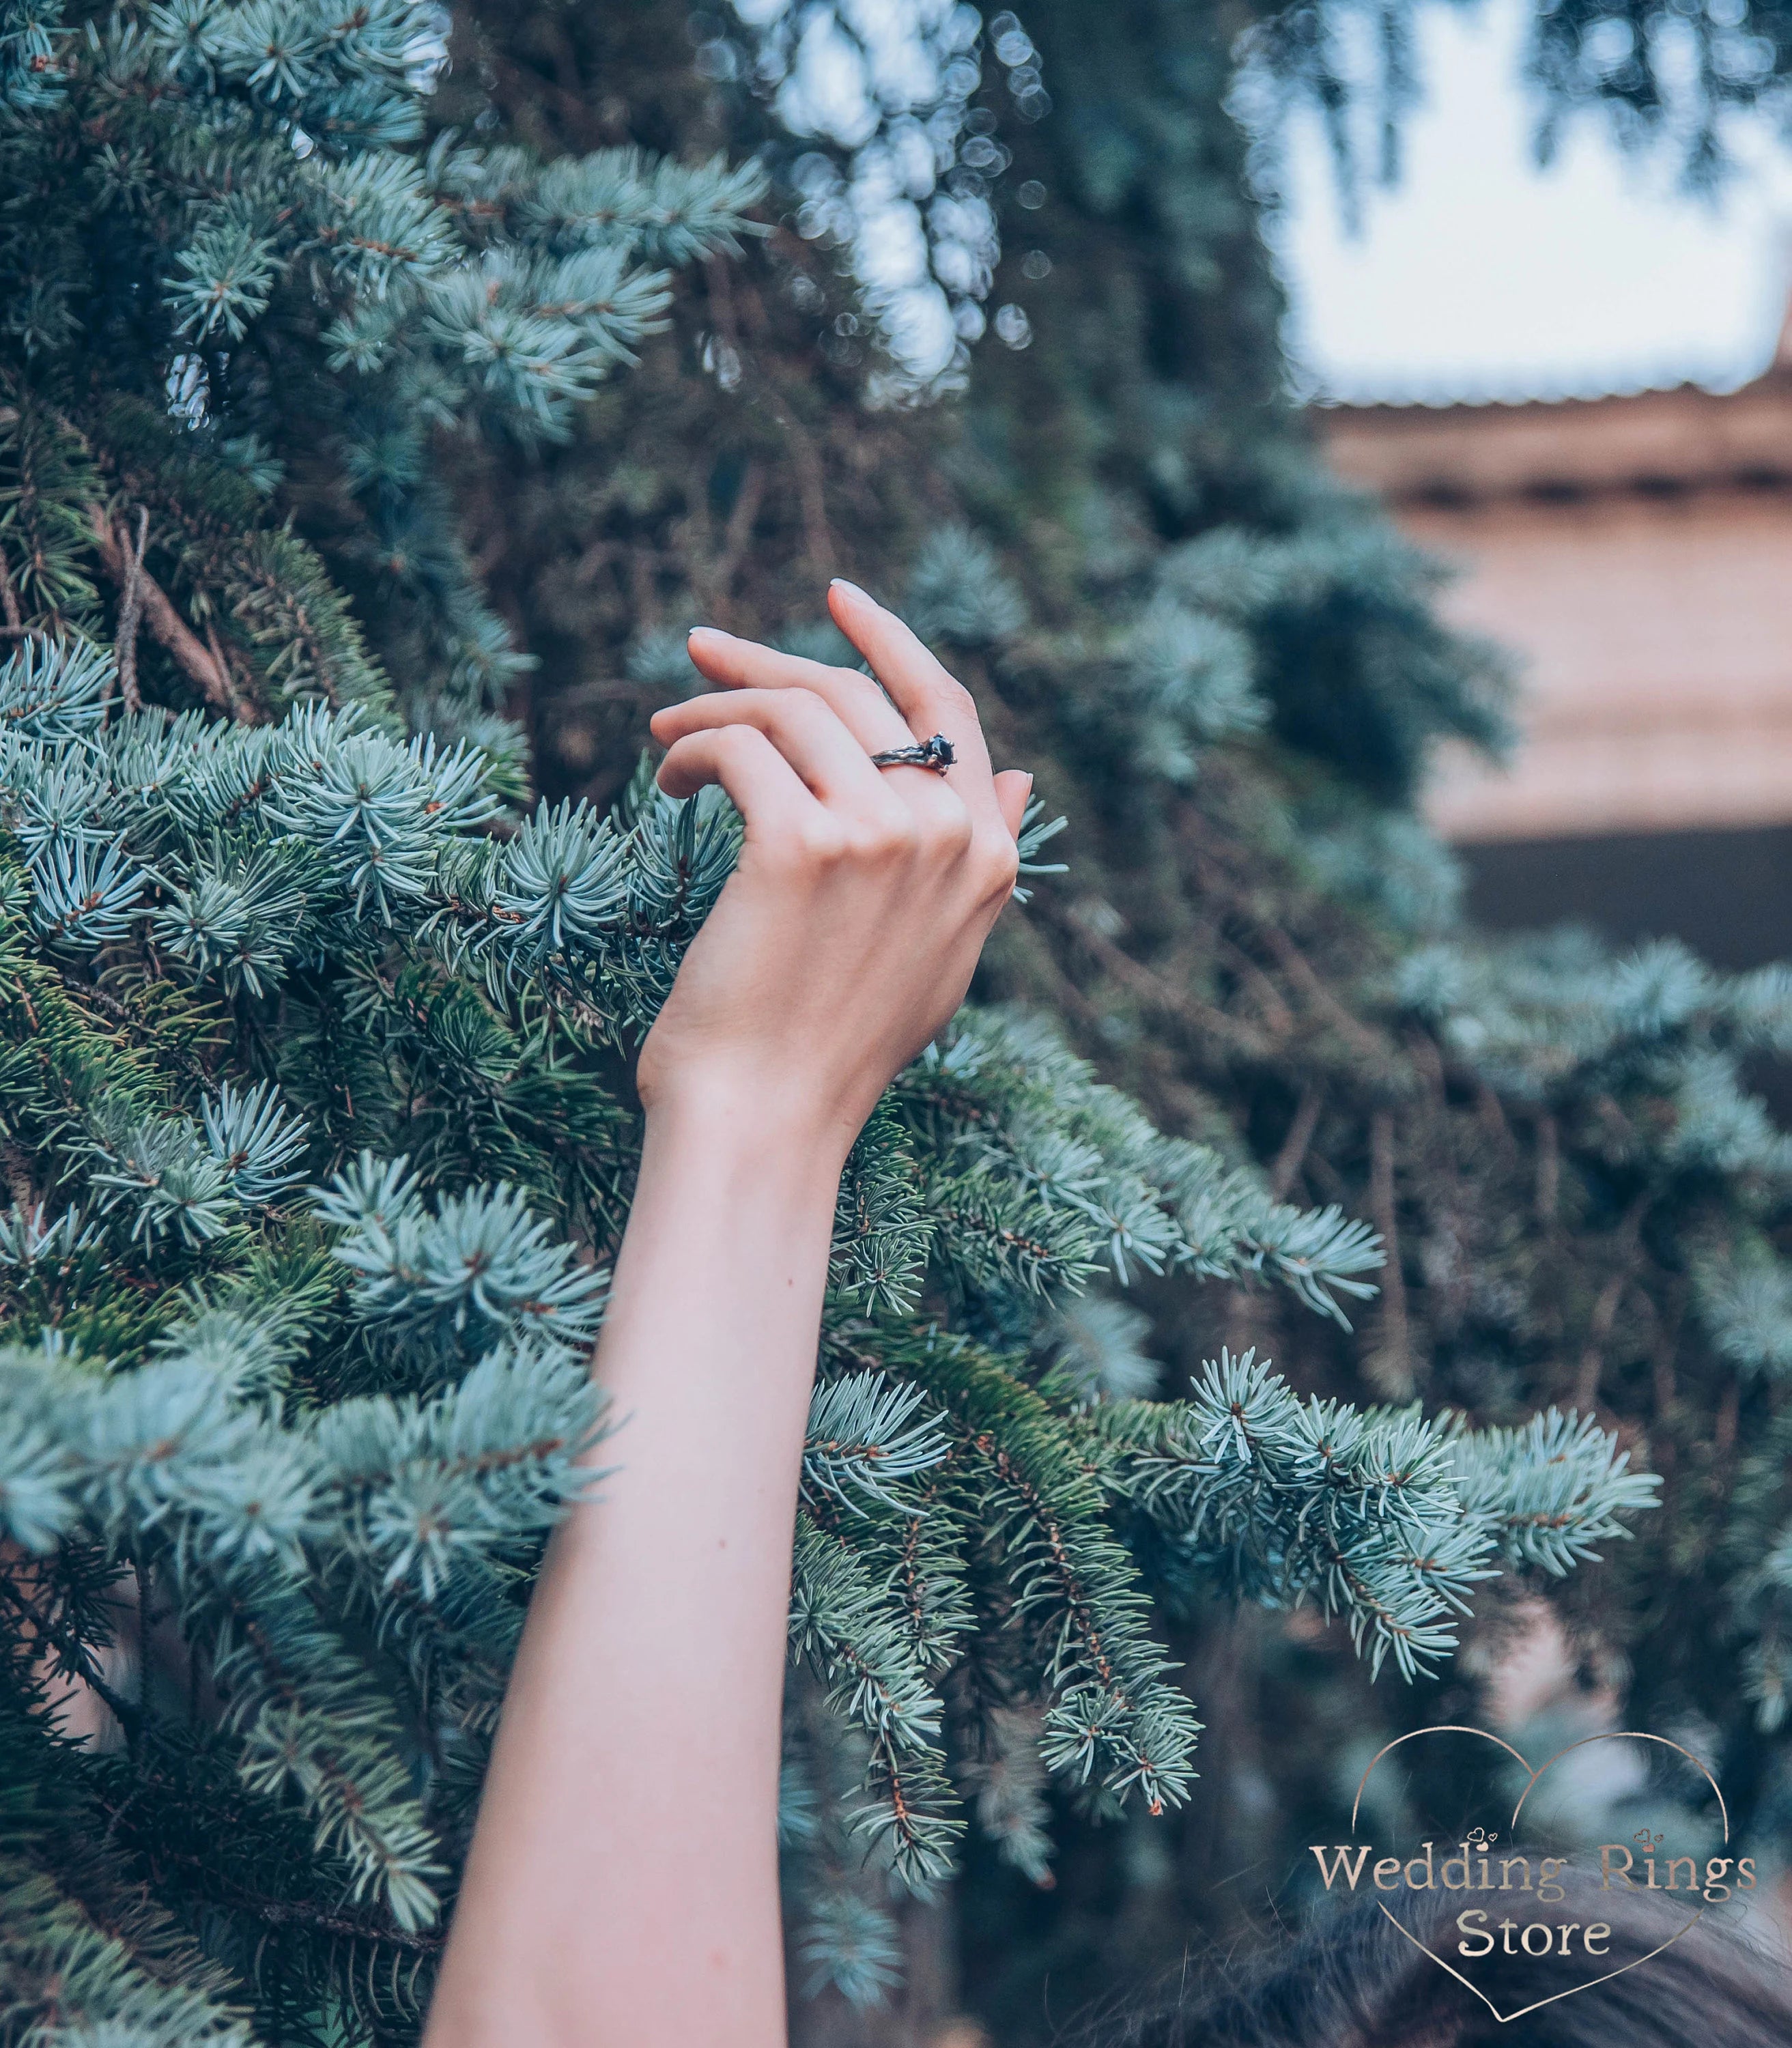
<point>1551,1489</point>
<point>74,1657</point>
<point>418,1489</point>
<point>1115,1724</point>
<point>82,1944</point>
<point>863,1438</point>
<point>304,1714</point>
<point>840,1618</point>
<point>63,1970</point>
<point>1279,1499</point>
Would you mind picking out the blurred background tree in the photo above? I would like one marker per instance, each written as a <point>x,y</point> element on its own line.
<point>1010,357</point>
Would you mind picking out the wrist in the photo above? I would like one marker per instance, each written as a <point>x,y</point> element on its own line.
<point>774,1138</point>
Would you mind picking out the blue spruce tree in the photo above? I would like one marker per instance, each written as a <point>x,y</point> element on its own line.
<point>317,1129</point>
<point>1231,674</point>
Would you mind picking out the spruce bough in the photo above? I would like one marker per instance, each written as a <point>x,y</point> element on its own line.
<point>316,1127</point>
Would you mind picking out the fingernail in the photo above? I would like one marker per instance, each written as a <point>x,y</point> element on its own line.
<point>840,583</point>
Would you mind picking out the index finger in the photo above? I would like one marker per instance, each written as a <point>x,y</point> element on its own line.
<point>928,696</point>
<point>736,663</point>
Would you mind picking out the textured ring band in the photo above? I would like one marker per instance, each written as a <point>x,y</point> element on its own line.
<point>938,754</point>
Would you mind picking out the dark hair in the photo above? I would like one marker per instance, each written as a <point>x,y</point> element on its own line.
<point>1355,1980</point>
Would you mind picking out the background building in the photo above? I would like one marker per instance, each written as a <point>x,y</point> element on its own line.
<point>1635,553</point>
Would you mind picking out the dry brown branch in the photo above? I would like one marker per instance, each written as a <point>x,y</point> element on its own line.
<point>1289,1160</point>
<point>1277,1017</point>
<point>739,530</point>
<point>1390,1365</point>
<point>130,612</point>
<point>171,631</point>
<point>1160,995</point>
<point>1605,1308</point>
<point>812,496</point>
<point>1549,1171</point>
<point>1298,968</point>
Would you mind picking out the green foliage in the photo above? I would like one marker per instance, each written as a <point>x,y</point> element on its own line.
<point>315,1113</point>
<point>213,207</point>
<point>1231,675</point>
<point>347,1394</point>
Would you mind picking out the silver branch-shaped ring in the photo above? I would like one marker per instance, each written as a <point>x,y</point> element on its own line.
<point>938,754</point>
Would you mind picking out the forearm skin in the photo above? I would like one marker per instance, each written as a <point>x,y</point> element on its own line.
<point>622,1884</point>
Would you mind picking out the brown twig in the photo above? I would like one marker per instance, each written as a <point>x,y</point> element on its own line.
<point>1391,1365</point>
<point>1217,880</point>
<point>130,607</point>
<point>1605,1308</point>
<point>1289,1160</point>
<point>1153,989</point>
<point>297,1913</point>
<point>9,598</point>
<point>1278,1019</point>
<point>1599,1328</point>
<point>812,497</point>
<point>223,661</point>
<point>184,647</point>
<point>1488,1107</point>
<point>1299,968</point>
<point>739,530</point>
<point>15,1168</point>
<point>1549,1171</point>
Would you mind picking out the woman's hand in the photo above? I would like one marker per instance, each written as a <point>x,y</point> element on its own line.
<point>846,937</point>
<point>612,1899</point>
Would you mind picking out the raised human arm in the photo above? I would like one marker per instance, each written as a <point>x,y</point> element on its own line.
<point>622,1884</point>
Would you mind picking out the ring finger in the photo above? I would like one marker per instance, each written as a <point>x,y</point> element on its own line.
<point>929,699</point>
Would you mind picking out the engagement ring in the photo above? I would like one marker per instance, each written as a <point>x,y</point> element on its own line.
<point>936,753</point>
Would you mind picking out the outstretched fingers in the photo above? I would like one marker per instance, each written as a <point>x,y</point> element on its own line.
<point>804,730</point>
<point>828,722</point>
<point>812,787</point>
<point>860,705</point>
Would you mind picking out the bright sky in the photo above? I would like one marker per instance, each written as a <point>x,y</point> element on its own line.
<point>1481,277</point>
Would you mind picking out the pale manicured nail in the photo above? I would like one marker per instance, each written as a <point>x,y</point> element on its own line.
<point>840,583</point>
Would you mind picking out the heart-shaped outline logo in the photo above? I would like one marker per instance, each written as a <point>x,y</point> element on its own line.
<point>1533,1775</point>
